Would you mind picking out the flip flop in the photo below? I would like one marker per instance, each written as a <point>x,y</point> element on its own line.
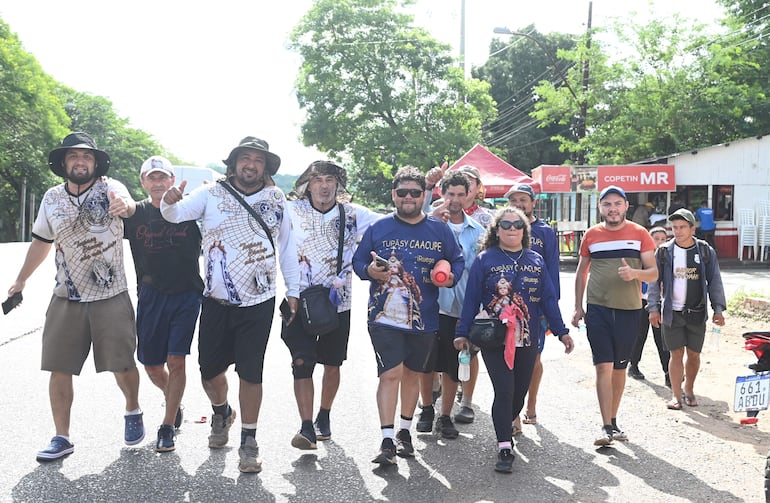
<point>515,429</point>
<point>529,419</point>
<point>674,404</point>
<point>690,400</point>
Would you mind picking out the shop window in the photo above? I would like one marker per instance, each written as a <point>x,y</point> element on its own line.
<point>723,202</point>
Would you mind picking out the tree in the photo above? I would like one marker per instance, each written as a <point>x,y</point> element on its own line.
<point>516,66</point>
<point>674,89</point>
<point>31,119</point>
<point>127,147</point>
<point>381,93</point>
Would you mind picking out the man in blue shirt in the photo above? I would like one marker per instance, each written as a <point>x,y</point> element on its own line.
<point>705,216</point>
<point>403,302</point>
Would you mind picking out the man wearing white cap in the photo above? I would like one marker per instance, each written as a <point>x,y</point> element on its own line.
<point>169,292</point>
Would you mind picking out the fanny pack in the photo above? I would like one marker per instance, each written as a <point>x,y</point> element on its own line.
<point>694,315</point>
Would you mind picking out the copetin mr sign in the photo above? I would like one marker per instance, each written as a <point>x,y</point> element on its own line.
<point>637,177</point>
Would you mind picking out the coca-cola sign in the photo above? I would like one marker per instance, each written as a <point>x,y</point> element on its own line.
<point>553,178</point>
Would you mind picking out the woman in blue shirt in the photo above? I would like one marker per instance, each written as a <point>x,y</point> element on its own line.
<point>509,281</point>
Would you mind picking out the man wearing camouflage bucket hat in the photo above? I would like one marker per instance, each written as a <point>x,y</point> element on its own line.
<point>83,218</point>
<point>240,282</point>
<point>316,224</point>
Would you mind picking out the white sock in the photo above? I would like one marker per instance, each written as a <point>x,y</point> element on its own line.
<point>406,424</point>
<point>389,433</point>
<point>133,412</point>
<point>466,401</point>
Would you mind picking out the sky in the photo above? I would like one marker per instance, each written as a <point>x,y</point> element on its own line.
<point>199,77</point>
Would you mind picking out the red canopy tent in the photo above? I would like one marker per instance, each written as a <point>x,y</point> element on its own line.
<point>496,174</point>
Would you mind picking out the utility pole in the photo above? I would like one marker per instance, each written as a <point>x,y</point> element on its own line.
<point>462,39</point>
<point>581,132</point>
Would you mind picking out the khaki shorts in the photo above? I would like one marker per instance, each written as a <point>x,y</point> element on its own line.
<point>72,327</point>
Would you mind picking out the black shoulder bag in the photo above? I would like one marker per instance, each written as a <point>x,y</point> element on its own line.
<point>317,312</point>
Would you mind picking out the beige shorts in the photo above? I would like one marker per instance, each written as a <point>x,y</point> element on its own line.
<point>72,327</point>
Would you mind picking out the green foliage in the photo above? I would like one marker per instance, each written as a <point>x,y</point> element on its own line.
<point>128,147</point>
<point>382,93</point>
<point>31,119</point>
<point>285,182</point>
<point>673,88</point>
<point>518,63</point>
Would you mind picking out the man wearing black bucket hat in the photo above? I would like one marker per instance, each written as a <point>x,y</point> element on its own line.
<point>83,218</point>
<point>314,207</point>
<point>245,225</point>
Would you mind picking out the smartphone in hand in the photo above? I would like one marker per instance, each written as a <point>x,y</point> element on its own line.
<point>11,302</point>
<point>285,311</point>
<point>380,262</point>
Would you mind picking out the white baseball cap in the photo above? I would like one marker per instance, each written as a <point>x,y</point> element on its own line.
<point>157,163</point>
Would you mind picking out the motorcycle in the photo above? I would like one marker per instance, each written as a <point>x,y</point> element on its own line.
<point>751,392</point>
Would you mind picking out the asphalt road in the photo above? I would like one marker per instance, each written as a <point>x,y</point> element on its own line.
<point>690,457</point>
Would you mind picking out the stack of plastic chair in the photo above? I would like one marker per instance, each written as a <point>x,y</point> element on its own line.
<point>747,232</point>
<point>763,227</point>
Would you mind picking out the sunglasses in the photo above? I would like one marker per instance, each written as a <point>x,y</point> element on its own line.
<point>415,193</point>
<point>507,224</point>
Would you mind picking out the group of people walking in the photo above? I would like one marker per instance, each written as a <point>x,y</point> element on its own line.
<point>502,265</point>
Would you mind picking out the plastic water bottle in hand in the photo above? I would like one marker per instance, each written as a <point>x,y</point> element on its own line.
<point>716,332</point>
<point>464,365</point>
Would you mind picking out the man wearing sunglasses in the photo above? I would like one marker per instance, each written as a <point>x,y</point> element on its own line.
<point>542,240</point>
<point>620,255</point>
<point>403,302</point>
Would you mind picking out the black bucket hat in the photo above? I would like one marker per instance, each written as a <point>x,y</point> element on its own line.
<point>78,140</point>
<point>273,161</point>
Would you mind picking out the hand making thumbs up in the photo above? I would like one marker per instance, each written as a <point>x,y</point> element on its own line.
<point>119,206</point>
<point>625,271</point>
<point>175,193</point>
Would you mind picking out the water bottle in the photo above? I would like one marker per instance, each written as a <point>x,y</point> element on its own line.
<point>464,365</point>
<point>716,332</point>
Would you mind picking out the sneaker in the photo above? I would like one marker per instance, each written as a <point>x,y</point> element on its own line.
<point>635,373</point>
<point>425,423</point>
<point>58,448</point>
<point>618,434</point>
<point>447,429</point>
<point>165,441</point>
<point>604,438</point>
<point>134,431</point>
<point>249,454</point>
<point>405,447</point>
<point>220,429</point>
<point>504,461</point>
<point>387,455</point>
<point>465,415</point>
<point>179,418</point>
<point>323,429</point>
<point>304,440</point>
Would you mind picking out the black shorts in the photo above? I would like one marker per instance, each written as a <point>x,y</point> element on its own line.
<point>445,354</point>
<point>393,346</point>
<point>612,334</point>
<point>329,349</point>
<point>231,334</point>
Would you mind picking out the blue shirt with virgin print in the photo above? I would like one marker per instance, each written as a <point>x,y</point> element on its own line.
<point>408,300</point>
<point>499,279</point>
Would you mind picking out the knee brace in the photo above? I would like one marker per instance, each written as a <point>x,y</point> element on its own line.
<point>302,368</point>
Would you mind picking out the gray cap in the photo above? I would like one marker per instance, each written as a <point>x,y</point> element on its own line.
<point>682,214</point>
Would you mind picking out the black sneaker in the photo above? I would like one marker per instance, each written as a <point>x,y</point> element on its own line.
<point>165,442</point>
<point>179,419</point>
<point>635,373</point>
<point>425,422</point>
<point>504,461</point>
<point>387,455</point>
<point>405,447</point>
<point>323,429</point>
<point>447,429</point>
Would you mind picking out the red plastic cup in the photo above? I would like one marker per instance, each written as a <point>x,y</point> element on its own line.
<point>440,273</point>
